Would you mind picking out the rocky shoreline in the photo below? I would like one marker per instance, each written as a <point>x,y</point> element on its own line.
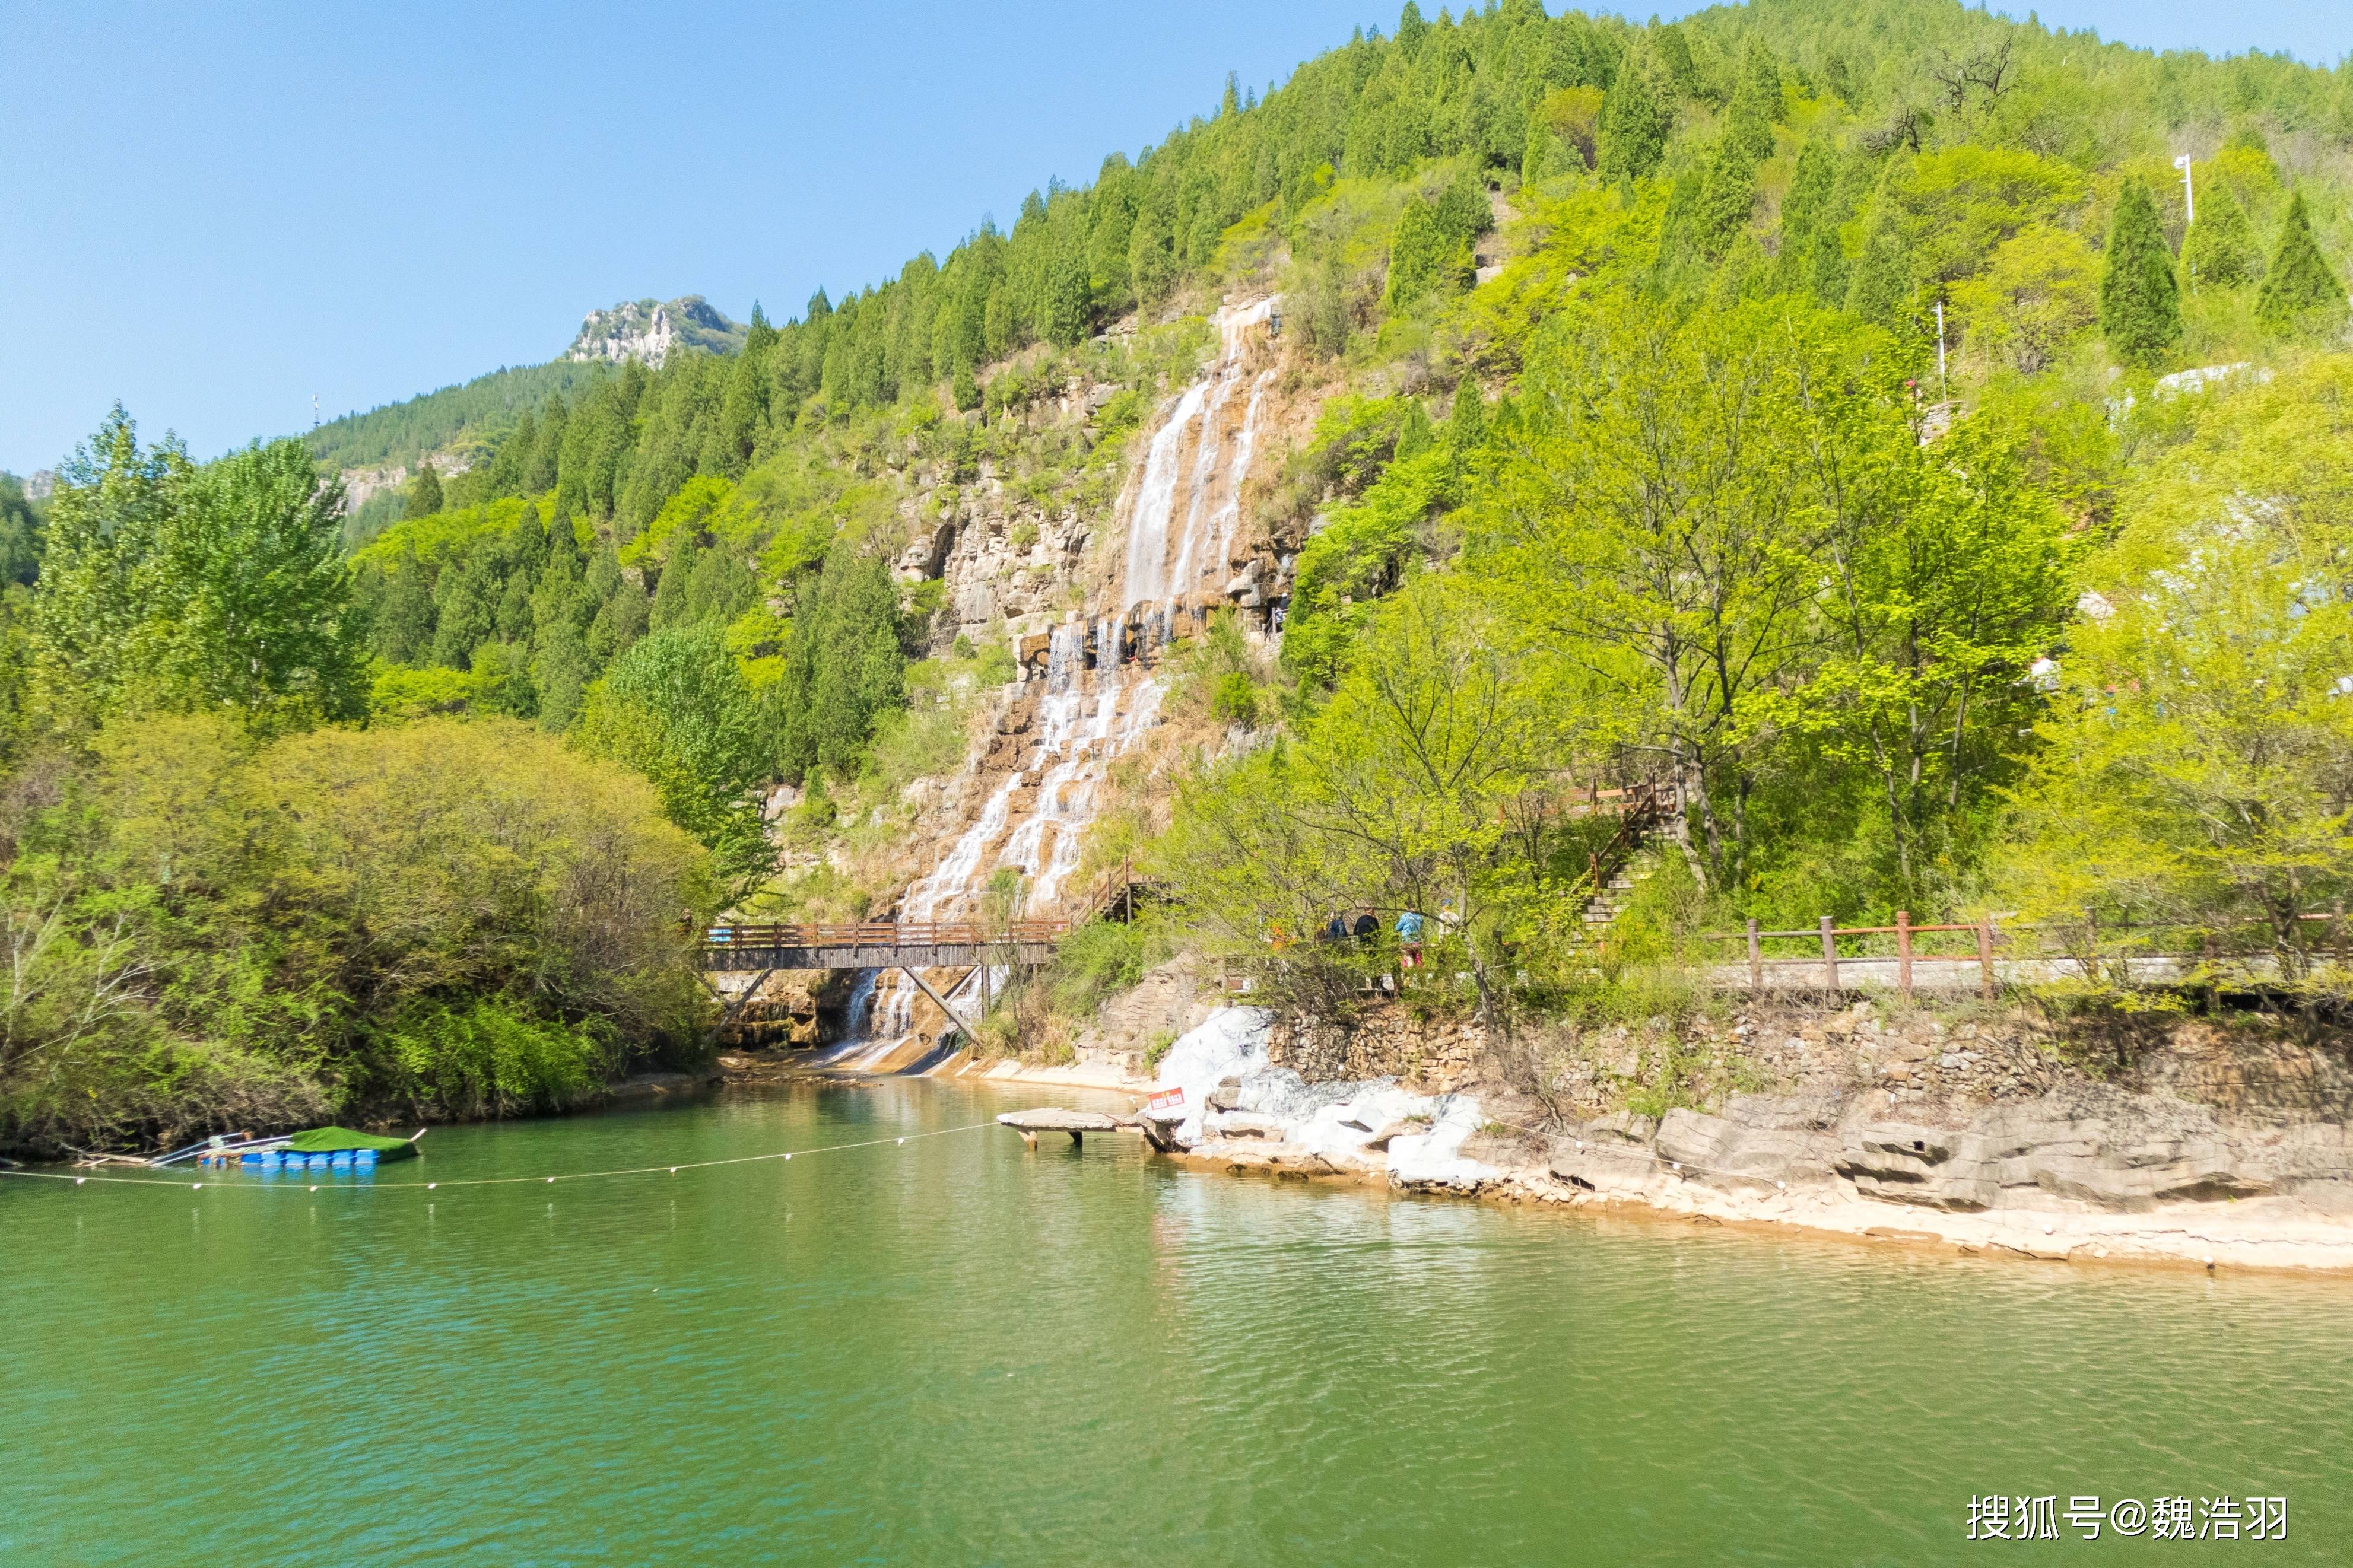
<point>2048,1167</point>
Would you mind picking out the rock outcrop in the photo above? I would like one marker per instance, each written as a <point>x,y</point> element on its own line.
<point>2088,1150</point>
<point>644,329</point>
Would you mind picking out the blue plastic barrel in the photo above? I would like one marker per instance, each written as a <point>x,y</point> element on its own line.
<point>314,1162</point>
<point>363,1159</point>
<point>341,1159</point>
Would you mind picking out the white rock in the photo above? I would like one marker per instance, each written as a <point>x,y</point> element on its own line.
<point>1229,1042</point>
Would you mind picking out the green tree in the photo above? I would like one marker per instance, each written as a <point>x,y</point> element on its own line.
<point>174,588</point>
<point>1756,104</point>
<point>676,709</point>
<point>22,530</point>
<point>2301,293</point>
<point>2140,302</point>
<point>2196,761</point>
<point>113,505</point>
<point>1885,276</point>
<point>844,667</point>
<point>1726,199</point>
<point>2220,252</point>
<point>1663,523</point>
<point>400,630</point>
<point>1636,116</point>
<point>1805,210</point>
<point>1398,796</point>
<point>424,491</point>
<point>2035,292</point>
<point>1423,256</point>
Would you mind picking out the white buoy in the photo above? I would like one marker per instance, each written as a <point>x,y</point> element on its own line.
<point>551,1180</point>
<point>314,1189</point>
<point>80,1179</point>
<point>429,1186</point>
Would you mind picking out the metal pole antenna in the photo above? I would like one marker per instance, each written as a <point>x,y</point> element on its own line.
<point>1944,387</point>
<point>2190,210</point>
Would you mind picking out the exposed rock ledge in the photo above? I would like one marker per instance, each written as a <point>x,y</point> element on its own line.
<point>2081,1174</point>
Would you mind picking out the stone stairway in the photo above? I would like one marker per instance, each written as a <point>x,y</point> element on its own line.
<point>1612,897</point>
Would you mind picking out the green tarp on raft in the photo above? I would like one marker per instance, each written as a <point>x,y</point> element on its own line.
<point>330,1139</point>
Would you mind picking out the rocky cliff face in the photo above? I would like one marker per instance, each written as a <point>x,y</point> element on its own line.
<point>644,329</point>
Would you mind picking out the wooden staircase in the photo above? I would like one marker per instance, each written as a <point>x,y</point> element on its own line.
<point>1621,865</point>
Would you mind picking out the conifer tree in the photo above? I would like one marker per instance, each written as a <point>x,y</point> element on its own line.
<point>1415,433</point>
<point>1756,104</point>
<point>1419,255</point>
<point>1880,290</point>
<point>1804,211</point>
<point>540,468</point>
<point>1536,162</point>
<point>1635,118</point>
<point>668,608</point>
<point>2140,302</point>
<point>424,492</point>
<point>1466,423</point>
<point>2301,292</point>
<point>2220,252</point>
<point>1674,51</point>
<point>1727,198</point>
<point>402,631</point>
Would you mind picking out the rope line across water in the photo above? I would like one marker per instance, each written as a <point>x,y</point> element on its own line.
<point>372,1186</point>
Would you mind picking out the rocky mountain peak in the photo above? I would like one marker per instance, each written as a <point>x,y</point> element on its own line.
<point>647,330</point>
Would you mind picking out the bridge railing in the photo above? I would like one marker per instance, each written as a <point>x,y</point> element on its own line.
<point>885,934</point>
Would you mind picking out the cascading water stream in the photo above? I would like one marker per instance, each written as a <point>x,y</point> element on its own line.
<point>1100,699</point>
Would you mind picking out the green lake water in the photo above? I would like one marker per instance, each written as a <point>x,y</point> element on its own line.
<point>955,1351</point>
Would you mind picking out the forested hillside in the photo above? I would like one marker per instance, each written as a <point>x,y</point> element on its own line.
<point>1847,428</point>
<point>455,419</point>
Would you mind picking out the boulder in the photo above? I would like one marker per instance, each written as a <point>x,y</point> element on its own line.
<point>1245,1124</point>
<point>1610,1166</point>
<point>1620,1127</point>
<point>1725,1153</point>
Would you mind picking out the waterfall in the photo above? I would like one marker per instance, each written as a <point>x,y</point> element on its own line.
<point>1099,699</point>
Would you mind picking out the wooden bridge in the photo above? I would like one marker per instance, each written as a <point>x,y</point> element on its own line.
<point>881,944</point>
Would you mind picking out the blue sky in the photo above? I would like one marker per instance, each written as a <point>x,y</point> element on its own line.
<point>216,213</point>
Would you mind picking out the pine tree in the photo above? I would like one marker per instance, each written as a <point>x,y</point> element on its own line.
<point>424,492</point>
<point>1803,210</point>
<point>2301,293</point>
<point>2140,302</point>
<point>1635,118</point>
<point>1674,54</point>
<point>539,472</point>
<point>1883,280</point>
<point>1415,433</point>
<point>1756,104</point>
<point>1466,423</point>
<point>1726,200</point>
<point>465,614</point>
<point>2220,252</point>
<point>1538,162</point>
<point>1825,270</point>
<point>1418,254</point>
<point>670,594</point>
<point>403,629</point>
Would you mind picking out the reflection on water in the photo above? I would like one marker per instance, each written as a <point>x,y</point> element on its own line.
<point>958,1350</point>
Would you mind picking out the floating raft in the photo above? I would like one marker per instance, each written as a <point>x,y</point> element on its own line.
<point>342,1140</point>
<point>1054,1118</point>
